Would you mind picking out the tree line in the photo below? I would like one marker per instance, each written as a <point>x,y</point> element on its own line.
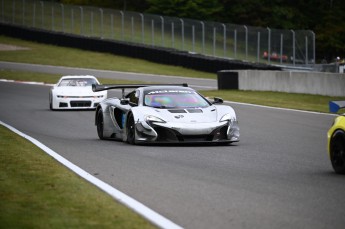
<point>325,17</point>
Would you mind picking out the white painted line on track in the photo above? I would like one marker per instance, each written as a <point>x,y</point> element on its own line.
<point>26,82</point>
<point>138,207</point>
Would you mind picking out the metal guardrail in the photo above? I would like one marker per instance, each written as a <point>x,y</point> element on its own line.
<point>253,44</point>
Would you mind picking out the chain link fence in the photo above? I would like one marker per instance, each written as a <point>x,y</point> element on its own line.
<point>253,44</point>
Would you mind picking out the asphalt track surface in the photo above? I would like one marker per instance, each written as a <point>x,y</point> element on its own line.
<point>277,176</point>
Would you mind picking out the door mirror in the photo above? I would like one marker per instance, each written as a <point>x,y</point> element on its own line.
<point>217,100</point>
<point>124,101</point>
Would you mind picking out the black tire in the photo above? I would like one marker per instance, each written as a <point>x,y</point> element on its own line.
<point>50,102</point>
<point>100,124</point>
<point>130,128</point>
<point>337,151</point>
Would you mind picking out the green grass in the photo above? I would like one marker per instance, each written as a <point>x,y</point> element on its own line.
<point>61,56</point>
<point>37,192</point>
<point>52,78</point>
<point>317,103</point>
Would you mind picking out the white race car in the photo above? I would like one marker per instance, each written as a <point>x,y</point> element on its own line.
<point>164,114</point>
<point>75,92</point>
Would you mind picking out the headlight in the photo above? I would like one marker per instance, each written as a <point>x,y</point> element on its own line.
<point>225,118</point>
<point>151,118</point>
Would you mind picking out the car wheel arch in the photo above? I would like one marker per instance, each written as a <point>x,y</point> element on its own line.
<point>130,118</point>
<point>337,140</point>
<point>100,127</point>
<point>96,113</point>
<point>338,133</point>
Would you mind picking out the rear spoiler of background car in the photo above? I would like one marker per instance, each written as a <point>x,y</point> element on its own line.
<point>103,87</point>
<point>335,106</point>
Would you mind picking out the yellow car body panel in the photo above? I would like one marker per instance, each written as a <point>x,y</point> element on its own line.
<point>336,138</point>
<point>339,124</point>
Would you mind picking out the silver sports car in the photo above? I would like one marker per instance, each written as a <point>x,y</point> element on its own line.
<point>164,114</point>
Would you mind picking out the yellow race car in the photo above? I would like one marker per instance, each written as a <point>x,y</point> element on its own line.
<point>336,138</point>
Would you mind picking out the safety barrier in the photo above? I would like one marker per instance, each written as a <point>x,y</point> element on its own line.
<point>158,55</point>
<point>329,84</point>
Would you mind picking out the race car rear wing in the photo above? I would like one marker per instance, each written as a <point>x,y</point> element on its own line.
<point>335,106</point>
<point>103,87</point>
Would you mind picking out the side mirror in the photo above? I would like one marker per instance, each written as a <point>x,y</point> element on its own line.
<point>217,100</point>
<point>124,101</point>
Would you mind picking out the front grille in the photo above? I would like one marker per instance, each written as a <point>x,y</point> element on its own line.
<point>166,135</point>
<point>220,133</point>
<point>63,105</point>
<point>169,135</point>
<point>80,103</point>
<point>195,138</point>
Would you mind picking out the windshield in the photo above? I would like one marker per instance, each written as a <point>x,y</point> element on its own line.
<point>174,99</point>
<point>77,82</point>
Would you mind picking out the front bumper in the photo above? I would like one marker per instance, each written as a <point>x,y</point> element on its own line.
<point>216,132</point>
<point>76,103</point>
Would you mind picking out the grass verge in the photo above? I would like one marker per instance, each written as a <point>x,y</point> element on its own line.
<point>61,56</point>
<point>38,192</point>
<point>51,78</point>
<point>316,103</point>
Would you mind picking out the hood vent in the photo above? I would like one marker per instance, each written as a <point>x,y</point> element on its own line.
<point>194,110</point>
<point>177,111</point>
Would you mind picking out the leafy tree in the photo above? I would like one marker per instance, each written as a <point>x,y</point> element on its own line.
<point>197,9</point>
<point>128,5</point>
<point>330,32</point>
<point>325,17</point>
<point>279,14</point>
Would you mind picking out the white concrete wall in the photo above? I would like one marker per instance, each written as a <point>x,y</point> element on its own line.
<point>331,84</point>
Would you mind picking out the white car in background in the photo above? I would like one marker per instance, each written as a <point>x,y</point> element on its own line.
<point>75,92</point>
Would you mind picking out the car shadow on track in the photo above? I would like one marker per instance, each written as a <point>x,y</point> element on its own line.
<point>181,144</point>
